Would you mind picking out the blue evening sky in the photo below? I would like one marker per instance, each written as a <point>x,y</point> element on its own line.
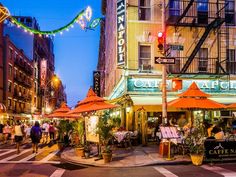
<point>76,51</point>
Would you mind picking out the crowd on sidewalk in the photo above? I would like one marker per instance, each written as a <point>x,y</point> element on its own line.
<point>18,133</point>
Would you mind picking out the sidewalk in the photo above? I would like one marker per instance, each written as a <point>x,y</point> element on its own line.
<point>123,158</point>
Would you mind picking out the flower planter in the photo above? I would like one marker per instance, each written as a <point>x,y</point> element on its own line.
<point>197,159</point>
<point>79,152</point>
<point>107,157</point>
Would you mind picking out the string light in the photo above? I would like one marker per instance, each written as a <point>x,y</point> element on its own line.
<point>81,18</point>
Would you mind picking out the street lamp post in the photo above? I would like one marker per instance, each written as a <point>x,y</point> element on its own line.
<point>54,79</point>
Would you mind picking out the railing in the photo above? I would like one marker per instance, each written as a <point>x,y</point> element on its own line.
<point>198,66</point>
<point>25,67</point>
<point>204,12</point>
<point>25,82</point>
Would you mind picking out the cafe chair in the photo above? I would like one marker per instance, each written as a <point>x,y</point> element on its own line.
<point>134,138</point>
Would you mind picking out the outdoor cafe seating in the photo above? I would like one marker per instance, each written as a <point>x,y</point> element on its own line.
<point>123,138</point>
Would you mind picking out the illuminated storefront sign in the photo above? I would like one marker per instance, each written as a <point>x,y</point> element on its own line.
<point>154,85</point>
<point>43,73</point>
<point>121,31</point>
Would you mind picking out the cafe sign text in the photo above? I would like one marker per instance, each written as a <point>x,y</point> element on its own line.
<point>121,31</point>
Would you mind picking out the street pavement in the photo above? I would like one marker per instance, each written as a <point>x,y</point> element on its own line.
<point>70,170</point>
<point>47,163</point>
<point>47,153</point>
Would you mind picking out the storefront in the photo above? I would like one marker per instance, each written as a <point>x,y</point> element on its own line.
<point>145,99</point>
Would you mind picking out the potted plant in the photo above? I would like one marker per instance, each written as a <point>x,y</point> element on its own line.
<point>104,129</point>
<point>196,146</point>
<point>78,128</point>
<point>61,128</point>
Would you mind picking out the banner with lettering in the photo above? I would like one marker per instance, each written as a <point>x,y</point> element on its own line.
<point>96,82</point>
<point>121,31</point>
<point>43,73</point>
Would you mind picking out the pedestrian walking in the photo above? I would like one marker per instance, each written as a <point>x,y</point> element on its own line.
<point>1,132</point>
<point>7,132</point>
<point>36,135</point>
<point>27,132</point>
<point>45,130</point>
<point>18,135</point>
<point>51,131</point>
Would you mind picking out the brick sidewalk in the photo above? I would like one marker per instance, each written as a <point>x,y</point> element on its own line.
<point>122,158</point>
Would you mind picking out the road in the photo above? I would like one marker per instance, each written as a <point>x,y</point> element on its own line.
<point>47,163</point>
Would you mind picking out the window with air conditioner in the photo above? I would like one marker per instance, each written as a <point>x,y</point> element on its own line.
<point>144,57</point>
<point>231,61</point>
<point>144,10</point>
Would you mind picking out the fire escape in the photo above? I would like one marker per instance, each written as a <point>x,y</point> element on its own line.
<point>207,17</point>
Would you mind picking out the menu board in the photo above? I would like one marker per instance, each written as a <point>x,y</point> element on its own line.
<point>169,132</point>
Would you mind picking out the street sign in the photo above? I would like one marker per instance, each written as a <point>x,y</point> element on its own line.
<point>164,60</point>
<point>176,47</point>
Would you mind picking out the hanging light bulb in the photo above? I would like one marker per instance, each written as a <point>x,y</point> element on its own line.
<point>81,22</point>
<point>88,13</point>
<point>61,33</point>
<point>18,26</point>
<point>72,26</point>
<point>31,33</point>
<point>25,30</point>
<point>54,35</point>
<point>67,29</point>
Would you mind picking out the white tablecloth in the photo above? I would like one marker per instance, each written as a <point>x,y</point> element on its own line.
<point>121,135</point>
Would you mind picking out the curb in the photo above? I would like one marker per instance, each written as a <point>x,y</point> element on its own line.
<point>74,162</point>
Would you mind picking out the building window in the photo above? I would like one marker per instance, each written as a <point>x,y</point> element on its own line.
<point>229,12</point>
<point>145,57</point>
<point>174,8</point>
<point>231,61</point>
<point>9,86</point>
<point>202,11</point>
<point>10,53</point>
<point>144,10</point>
<point>10,70</point>
<point>15,56</point>
<point>9,103</point>
<point>203,60</point>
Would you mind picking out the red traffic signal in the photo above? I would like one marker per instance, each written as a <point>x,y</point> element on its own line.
<point>160,39</point>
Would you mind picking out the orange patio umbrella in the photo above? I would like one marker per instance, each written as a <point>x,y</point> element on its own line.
<point>232,106</point>
<point>92,102</point>
<point>60,112</point>
<point>194,98</point>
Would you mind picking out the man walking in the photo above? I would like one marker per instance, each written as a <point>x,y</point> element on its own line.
<point>45,129</point>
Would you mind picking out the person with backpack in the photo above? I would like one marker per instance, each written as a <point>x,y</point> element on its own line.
<point>18,135</point>
<point>36,135</point>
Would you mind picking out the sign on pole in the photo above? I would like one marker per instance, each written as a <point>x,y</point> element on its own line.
<point>176,47</point>
<point>121,32</point>
<point>164,60</point>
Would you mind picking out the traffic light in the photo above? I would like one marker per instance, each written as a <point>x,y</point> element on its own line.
<point>161,39</point>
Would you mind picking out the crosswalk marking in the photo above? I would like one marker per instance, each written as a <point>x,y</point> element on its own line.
<point>14,156</point>
<point>45,159</point>
<point>7,152</point>
<point>58,173</point>
<point>219,170</point>
<point>29,157</point>
<point>164,172</point>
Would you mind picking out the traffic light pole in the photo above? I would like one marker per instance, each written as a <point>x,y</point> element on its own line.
<point>164,74</point>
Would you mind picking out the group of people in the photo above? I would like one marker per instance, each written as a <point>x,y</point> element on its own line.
<point>21,132</point>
